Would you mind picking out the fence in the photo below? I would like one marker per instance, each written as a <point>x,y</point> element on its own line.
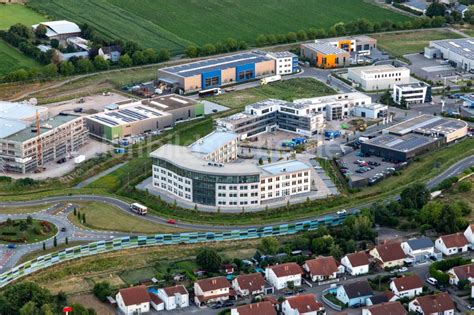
<point>162,239</point>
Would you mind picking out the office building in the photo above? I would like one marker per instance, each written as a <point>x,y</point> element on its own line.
<point>216,72</point>
<point>412,93</point>
<point>371,111</point>
<point>204,173</point>
<point>285,62</point>
<point>459,52</point>
<point>382,77</point>
<point>144,116</point>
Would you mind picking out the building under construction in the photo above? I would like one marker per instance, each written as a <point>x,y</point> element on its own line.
<point>29,138</point>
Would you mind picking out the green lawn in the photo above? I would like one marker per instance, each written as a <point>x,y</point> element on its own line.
<point>19,231</point>
<point>287,90</point>
<point>103,216</point>
<point>177,24</point>
<point>399,44</point>
<point>29,209</point>
<point>16,13</point>
<point>12,59</point>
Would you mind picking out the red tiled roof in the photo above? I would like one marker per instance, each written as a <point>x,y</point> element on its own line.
<point>454,240</point>
<point>435,303</point>
<point>322,266</point>
<point>304,303</point>
<point>358,259</point>
<point>288,269</point>
<point>388,308</point>
<point>155,298</point>
<point>203,298</point>
<point>271,299</point>
<point>390,252</point>
<point>252,282</point>
<point>212,284</point>
<point>408,283</point>
<point>135,295</point>
<point>171,291</point>
<point>464,272</point>
<point>261,308</point>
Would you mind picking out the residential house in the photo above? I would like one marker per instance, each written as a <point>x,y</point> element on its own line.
<point>354,293</point>
<point>452,244</point>
<point>388,308</point>
<point>260,308</point>
<point>419,250</point>
<point>469,234</point>
<point>323,268</point>
<point>389,255</point>
<point>465,272</point>
<point>111,53</point>
<point>174,297</point>
<point>384,297</point>
<point>211,290</point>
<point>356,263</point>
<point>302,304</point>
<point>440,304</point>
<point>407,286</point>
<point>248,285</point>
<point>280,275</point>
<point>156,302</point>
<point>133,300</point>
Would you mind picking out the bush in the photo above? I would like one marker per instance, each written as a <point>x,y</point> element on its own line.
<point>102,290</point>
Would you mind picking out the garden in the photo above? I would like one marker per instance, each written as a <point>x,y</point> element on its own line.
<point>26,230</point>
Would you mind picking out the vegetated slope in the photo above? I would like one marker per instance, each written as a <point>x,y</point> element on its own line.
<point>16,13</point>
<point>12,59</point>
<point>175,24</point>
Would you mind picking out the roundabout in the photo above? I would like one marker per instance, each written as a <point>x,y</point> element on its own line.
<point>26,231</point>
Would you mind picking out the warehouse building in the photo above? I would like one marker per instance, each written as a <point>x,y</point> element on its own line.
<point>382,77</point>
<point>60,30</point>
<point>144,116</point>
<point>216,72</point>
<point>285,62</point>
<point>459,52</point>
<point>360,45</point>
<point>184,173</point>
<point>325,56</point>
<point>24,148</point>
<point>415,136</point>
<point>412,93</point>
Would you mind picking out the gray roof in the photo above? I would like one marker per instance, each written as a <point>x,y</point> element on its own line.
<point>231,61</point>
<point>416,4</point>
<point>358,289</point>
<point>405,143</point>
<point>59,27</point>
<point>462,46</point>
<point>19,111</point>
<point>420,243</point>
<point>284,167</point>
<point>325,48</point>
<point>9,127</point>
<point>282,54</point>
<point>212,142</point>
<point>427,124</point>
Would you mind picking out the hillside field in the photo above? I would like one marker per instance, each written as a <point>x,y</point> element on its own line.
<point>12,59</point>
<point>17,13</point>
<point>177,24</point>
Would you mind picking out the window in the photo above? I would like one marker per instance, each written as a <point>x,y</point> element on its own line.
<point>211,81</point>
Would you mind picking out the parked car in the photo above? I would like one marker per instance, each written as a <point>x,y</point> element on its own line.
<point>63,229</point>
<point>11,246</point>
<point>171,221</point>
<point>340,212</point>
<point>432,281</point>
<point>403,269</point>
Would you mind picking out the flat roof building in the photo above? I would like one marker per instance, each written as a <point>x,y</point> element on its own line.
<point>139,117</point>
<point>412,93</point>
<point>382,77</point>
<point>21,111</point>
<point>460,52</point>
<point>216,72</point>
<point>415,136</point>
<point>285,62</point>
<point>207,173</point>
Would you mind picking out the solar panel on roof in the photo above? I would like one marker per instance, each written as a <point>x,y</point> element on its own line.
<point>133,114</point>
<point>121,117</point>
<point>108,121</point>
<point>149,111</point>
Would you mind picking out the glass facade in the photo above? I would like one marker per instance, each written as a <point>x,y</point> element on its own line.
<point>204,185</point>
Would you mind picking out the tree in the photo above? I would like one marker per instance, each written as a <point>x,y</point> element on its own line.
<point>260,161</point>
<point>29,220</point>
<point>261,40</point>
<point>208,49</point>
<point>66,68</point>
<point>46,309</point>
<point>336,251</point>
<point>414,197</point>
<point>41,30</point>
<point>54,43</point>
<point>49,71</point>
<point>20,294</point>
<point>231,44</point>
<point>44,246</point>
<point>269,245</point>
<point>66,240</point>
<point>291,37</point>
<point>83,218</point>
<point>465,186</point>
<point>150,55</point>
<point>130,47</point>
<point>403,103</point>
<point>301,35</point>
<point>100,63</point>
<point>164,54</point>
<point>192,51</point>
<point>208,259</point>
<point>102,290</point>
<point>321,245</point>
<point>469,15</point>
<point>125,61</point>
<point>138,58</point>
<point>84,66</point>
<point>435,9</point>
<point>29,308</point>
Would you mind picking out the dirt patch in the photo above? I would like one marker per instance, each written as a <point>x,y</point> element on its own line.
<point>90,301</point>
<point>70,285</point>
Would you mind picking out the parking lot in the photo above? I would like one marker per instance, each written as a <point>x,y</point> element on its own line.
<point>360,168</point>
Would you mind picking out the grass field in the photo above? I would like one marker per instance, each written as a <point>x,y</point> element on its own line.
<point>12,59</point>
<point>177,24</point>
<point>287,90</point>
<point>17,13</point>
<point>29,209</point>
<point>399,44</point>
<point>19,231</point>
<point>106,217</point>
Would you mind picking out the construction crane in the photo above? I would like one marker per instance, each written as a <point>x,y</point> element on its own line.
<point>39,153</point>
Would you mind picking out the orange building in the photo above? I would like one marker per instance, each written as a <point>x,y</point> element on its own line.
<point>325,56</point>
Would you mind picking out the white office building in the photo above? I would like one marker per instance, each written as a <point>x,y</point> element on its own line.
<point>372,111</point>
<point>413,93</point>
<point>285,62</point>
<point>382,77</point>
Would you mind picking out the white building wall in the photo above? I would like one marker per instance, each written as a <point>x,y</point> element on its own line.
<point>359,270</point>
<point>439,244</point>
<point>379,80</point>
<point>172,183</point>
<point>131,309</point>
<point>412,95</point>
<point>285,185</point>
<point>281,282</point>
